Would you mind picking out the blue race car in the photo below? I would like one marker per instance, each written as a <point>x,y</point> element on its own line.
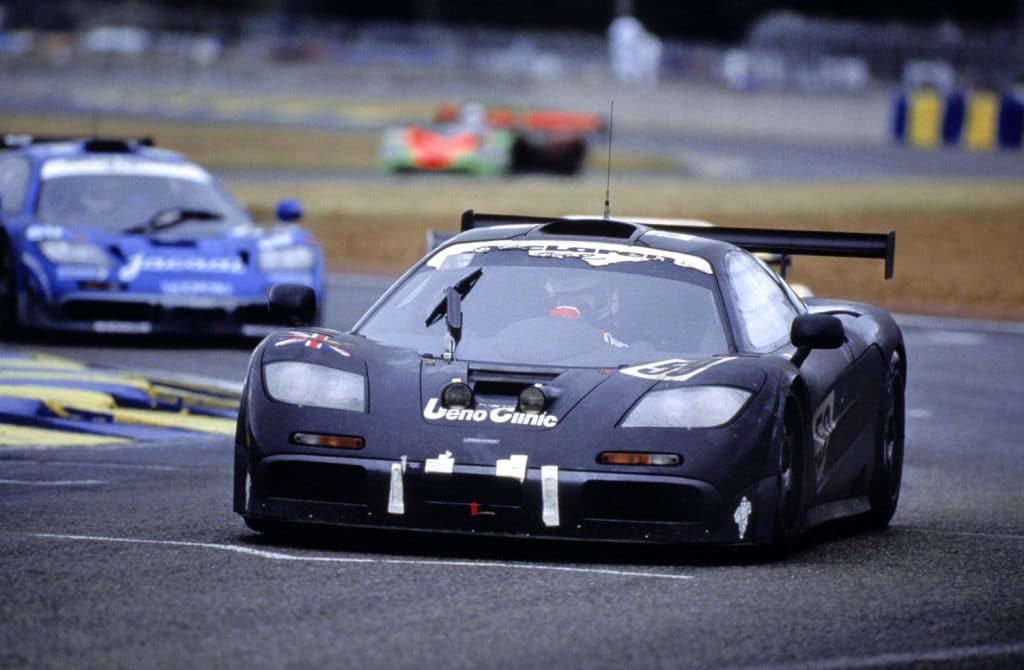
<point>115,235</point>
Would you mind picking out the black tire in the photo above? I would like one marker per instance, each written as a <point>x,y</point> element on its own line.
<point>268,527</point>
<point>790,483</point>
<point>8,291</point>
<point>579,154</point>
<point>319,317</point>
<point>240,494</point>
<point>888,469</point>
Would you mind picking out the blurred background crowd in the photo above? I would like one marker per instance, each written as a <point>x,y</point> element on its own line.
<point>741,44</point>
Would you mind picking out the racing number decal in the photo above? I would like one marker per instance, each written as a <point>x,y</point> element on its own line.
<point>673,369</point>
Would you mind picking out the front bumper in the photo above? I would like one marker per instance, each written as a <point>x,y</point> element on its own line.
<point>472,499</point>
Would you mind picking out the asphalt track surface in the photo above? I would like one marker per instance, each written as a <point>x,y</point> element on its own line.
<point>131,556</point>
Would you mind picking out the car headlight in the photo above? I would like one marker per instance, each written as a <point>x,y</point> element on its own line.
<point>66,252</point>
<point>688,407</point>
<point>315,386</point>
<point>287,258</point>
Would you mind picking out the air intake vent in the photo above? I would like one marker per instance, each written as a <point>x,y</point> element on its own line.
<point>590,228</point>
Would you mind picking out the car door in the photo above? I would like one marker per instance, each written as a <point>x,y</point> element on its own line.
<point>764,309</point>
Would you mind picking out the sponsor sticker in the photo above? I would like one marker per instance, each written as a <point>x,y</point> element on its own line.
<point>396,494</point>
<point>513,467</point>
<point>276,240</point>
<point>312,341</point>
<point>195,287</point>
<point>444,464</point>
<point>549,494</point>
<point>40,232</point>
<point>81,273</point>
<point>139,263</point>
<point>822,425</point>
<point>122,165</point>
<point>595,254</point>
<point>742,516</point>
<point>503,414</point>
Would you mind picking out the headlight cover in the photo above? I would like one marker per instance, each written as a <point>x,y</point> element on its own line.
<point>687,407</point>
<point>66,252</point>
<point>311,385</point>
<point>292,258</point>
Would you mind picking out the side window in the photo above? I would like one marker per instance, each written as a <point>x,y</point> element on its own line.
<point>764,311</point>
<point>14,174</point>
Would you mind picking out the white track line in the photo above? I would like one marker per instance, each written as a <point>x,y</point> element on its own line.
<point>57,482</point>
<point>94,464</point>
<point>946,655</point>
<point>281,556</point>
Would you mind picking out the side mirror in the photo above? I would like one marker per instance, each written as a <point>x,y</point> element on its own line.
<point>289,209</point>
<point>292,304</point>
<point>815,331</point>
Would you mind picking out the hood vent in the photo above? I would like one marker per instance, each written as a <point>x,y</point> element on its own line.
<point>515,377</point>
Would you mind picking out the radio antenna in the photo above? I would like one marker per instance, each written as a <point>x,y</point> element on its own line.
<point>608,179</point>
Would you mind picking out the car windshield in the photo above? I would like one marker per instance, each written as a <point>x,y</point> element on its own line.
<point>116,201</point>
<point>532,306</point>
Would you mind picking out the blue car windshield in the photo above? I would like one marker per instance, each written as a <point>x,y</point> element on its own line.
<point>116,202</point>
<point>564,309</point>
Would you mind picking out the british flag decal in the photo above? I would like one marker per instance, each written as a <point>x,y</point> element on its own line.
<point>312,341</point>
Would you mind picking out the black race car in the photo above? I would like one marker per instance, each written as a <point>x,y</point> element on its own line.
<point>587,379</point>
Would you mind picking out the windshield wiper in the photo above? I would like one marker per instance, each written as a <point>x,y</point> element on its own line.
<point>173,216</point>
<point>450,307</point>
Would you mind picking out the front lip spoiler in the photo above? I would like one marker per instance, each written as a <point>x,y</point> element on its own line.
<point>520,517</point>
<point>37,313</point>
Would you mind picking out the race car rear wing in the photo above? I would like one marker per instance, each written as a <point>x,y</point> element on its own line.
<point>805,242</point>
<point>758,240</point>
<point>94,144</point>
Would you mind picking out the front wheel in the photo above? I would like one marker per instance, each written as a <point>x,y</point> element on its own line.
<point>273,529</point>
<point>888,469</point>
<point>789,494</point>
<point>8,291</point>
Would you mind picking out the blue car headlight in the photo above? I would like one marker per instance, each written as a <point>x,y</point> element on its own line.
<point>66,252</point>
<point>298,383</point>
<point>294,258</point>
<point>687,407</point>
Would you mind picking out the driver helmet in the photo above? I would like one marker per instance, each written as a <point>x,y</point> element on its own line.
<point>473,115</point>
<point>581,294</point>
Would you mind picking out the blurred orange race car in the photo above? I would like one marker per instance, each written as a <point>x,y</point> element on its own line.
<point>478,140</point>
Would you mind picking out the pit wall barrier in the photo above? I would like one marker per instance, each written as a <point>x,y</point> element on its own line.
<point>975,120</point>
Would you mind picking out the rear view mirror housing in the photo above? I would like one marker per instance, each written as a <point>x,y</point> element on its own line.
<point>289,209</point>
<point>815,331</point>
<point>292,304</point>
